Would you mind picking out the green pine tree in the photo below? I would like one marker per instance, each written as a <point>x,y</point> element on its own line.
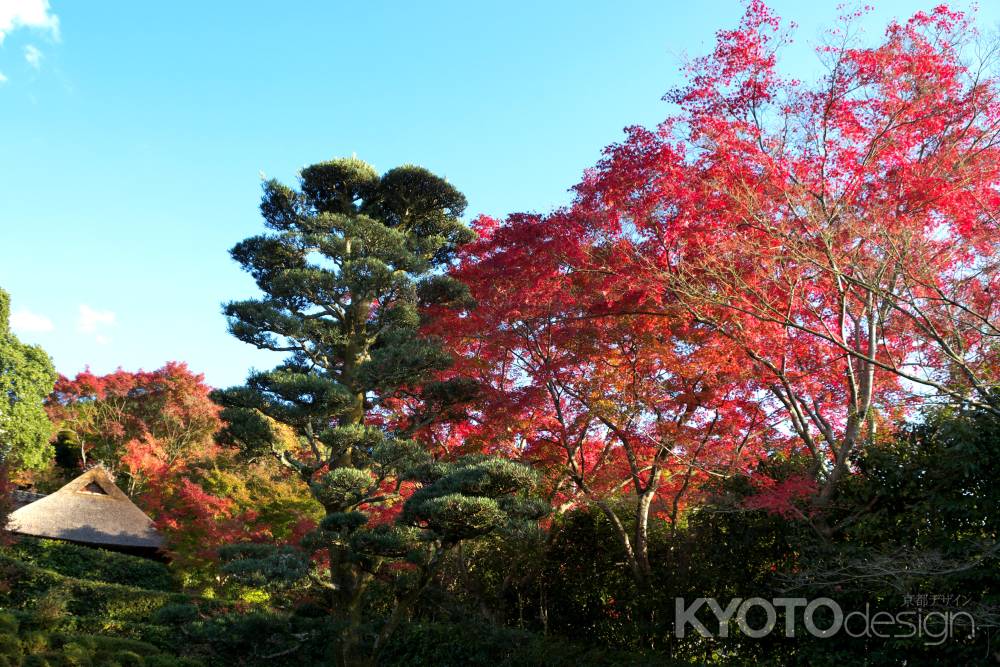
<point>350,263</point>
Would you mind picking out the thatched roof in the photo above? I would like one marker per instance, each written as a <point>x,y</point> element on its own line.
<point>22,498</point>
<point>90,509</point>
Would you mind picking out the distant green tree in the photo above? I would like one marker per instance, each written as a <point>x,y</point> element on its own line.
<point>26,378</point>
<point>352,261</point>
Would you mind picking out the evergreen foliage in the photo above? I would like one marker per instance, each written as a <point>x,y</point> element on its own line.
<point>352,261</point>
<point>26,378</point>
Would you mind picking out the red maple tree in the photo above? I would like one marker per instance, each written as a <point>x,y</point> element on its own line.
<point>578,380</point>
<point>779,267</point>
<point>157,430</point>
<point>841,235</point>
<point>143,423</point>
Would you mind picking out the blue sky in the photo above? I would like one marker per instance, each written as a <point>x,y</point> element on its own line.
<point>133,135</point>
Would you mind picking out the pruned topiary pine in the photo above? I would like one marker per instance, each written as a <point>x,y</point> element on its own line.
<point>349,270</point>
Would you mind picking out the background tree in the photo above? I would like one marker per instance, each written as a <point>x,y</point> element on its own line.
<point>26,378</point>
<point>627,413</point>
<point>6,503</point>
<point>206,503</point>
<point>841,234</point>
<point>142,424</point>
<point>351,258</point>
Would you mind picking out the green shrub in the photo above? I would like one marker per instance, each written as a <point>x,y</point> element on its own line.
<point>34,642</point>
<point>49,608</point>
<point>118,645</point>
<point>53,597</point>
<point>8,624</point>
<point>37,661</point>
<point>176,614</point>
<point>77,654</point>
<point>129,659</point>
<point>87,644</point>
<point>69,622</point>
<point>10,646</point>
<point>80,562</point>
<point>445,645</point>
<point>163,637</point>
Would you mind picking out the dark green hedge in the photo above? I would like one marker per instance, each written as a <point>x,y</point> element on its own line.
<point>475,645</point>
<point>69,620</point>
<point>32,587</point>
<point>81,562</point>
<point>66,602</point>
<point>22,646</point>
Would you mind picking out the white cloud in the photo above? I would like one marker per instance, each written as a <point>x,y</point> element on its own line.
<point>32,54</point>
<point>25,321</point>
<point>16,14</point>
<point>91,319</point>
<point>3,79</point>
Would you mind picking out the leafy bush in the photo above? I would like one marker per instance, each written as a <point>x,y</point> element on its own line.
<point>176,614</point>
<point>36,588</point>
<point>472,645</point>
<point>58,649</point>
<point>68,621</point>
<point>246,638</point>
<point>81,562</point>
<point>8,624</point>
